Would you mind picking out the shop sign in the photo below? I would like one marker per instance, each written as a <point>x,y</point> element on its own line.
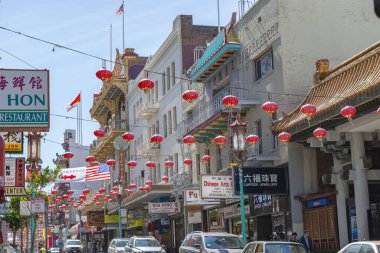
<point>165,221</point>
<point>317,203</point>
<point>135,223</point>
<point>194,217</point>
<point>262,201</point>
<point>14,176</point>
<point>217,187</point>
<point>262,181</point>
<point>24,100</point>
<point>13,142</point>
<point>4,208</point>
<point>193,198</point>
<point>234,211</point>
<point>38,204</point>
<point>25,207</point>
<point>111,218</point>
<point>95,218</point>
<point>164,207</point>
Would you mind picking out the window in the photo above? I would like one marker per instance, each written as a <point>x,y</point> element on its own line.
<point>168,78</point>
<point>197,167</point>
<point>264,65</point>
<point>274,137</point>
<point>158,178</point>
<point>251,248</point>
<point>173,73</point>
<point>158,127</point>
<point>259,132</point>
<point>194,239</point>
<point>165,126</point>
<point>170,122</point>
<point>259,248</point>
<point>175,162</point>
<point>175,118</point>
<point>366,248</point>
<point>163,84</point>
<point>354,248</point>
<point>156,91</point>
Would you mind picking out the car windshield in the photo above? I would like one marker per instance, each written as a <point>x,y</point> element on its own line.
<point>223,242</point>
<point>284,248</point>
<point>73,243</point>
<point>121,243</point>
<point>378,247</point>
<point>147,243</point>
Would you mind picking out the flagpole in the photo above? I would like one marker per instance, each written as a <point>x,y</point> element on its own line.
<point>80,119</point>
<point>123,28</point>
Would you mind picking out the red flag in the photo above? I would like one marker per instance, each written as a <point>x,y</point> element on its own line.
<point>73,103</point>
<point>120,10</point>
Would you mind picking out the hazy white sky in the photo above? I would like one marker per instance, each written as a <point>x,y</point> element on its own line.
<point>85,26</point>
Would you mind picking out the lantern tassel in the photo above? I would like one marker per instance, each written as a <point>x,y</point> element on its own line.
<point>351,121</point>
<point>321,140</point>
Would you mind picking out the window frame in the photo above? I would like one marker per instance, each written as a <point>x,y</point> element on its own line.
<point>258,71</point>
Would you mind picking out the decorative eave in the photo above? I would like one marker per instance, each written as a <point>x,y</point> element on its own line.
<point>355,82</point>
<point>105,149</point>
<point>223,48</point>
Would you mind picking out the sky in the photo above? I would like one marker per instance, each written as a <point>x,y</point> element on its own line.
<point>85,26</point>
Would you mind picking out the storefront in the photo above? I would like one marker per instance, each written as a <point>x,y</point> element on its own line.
<point>232,219</point>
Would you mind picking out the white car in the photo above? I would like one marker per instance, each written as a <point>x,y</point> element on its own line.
<point>117,245</point>
<point>142,244</point>
<point>208,242</point>
<point>73,246</point>
<point>361,247</point>
<point>273,247</point>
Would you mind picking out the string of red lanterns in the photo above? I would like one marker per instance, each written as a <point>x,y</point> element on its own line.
<point>206,158</point>
<point>230,101</point>
<point>111,162</point>
<point>150,164</point>
<point>169,163</point>
<point>90,159</point>
<point>252,139</point>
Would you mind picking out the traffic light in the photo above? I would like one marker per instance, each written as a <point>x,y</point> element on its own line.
<point>377,7</point>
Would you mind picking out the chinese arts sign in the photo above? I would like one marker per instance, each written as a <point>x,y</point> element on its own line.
<point>217,187</point>
<point>263,181</point>
<point>24,100</point>
<point>13,142</point>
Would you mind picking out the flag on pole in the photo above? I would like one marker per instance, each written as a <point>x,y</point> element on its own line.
<point>73,103</point>
<point>120,10</point>
<point>98,172</point>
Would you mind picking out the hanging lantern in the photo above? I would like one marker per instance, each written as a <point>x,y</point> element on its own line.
<point>129,192</point>
<point>378,111</point>
<point>102,190</point>
<point>206,158</point>
<point>64,196</point>
<point>104,74</point>
<point>54,192</point>
<point>82,197</point>
<point>220,140</point>
<point>51,206</point>
<point>190,95</point>
<point>115,188</point>
<point>70,192</point>
<point>348,112</point>
<point>99,133</point>
<point>63,206</point>
<point>132,164</point>
<point>270,107</point>
<point>75,206</point>
<point>70,200</point>
<point>284,137</point>
<point>309,110</point>
<point>114,194</point>
<point>188,161</point>
<point>86,191</point>
<point>111,162</point>
<point>149,183</point>
<point>132,186</point>
<point>98,203</point>
<point>150,164</point>
<point>165,179</point>
<point>189,139</point>
<point>252,139</point>
<point>230,101</point>
<point>128,136</point>
<point>141,189</point>
<point>90,159</point>
<point>99,196</point>
<point>319,133</point>
<point>68,155</point>
<point>58,198</point>
<point>146,85</point>
<point>86,204</point>
<point>169,163</point>
<point>156,138</point>
<point>107,197</point>
<point>109,200</point>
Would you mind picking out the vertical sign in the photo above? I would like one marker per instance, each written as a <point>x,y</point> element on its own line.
<point>2,166</point>
<point>15,176</point>
<point>13,142</point>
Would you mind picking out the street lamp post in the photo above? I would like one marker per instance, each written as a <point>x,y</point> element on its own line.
<point>34,151</point>
<point>239,130</point>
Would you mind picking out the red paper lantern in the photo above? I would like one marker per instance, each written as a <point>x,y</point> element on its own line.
<point>70,200</point>
<point>82,197</point>
<point>309,110</point>
<point>220,140</point>
<point>75,206</point>
<point>230,101</point>
<point>165,179</point>
<point>188,161</point>
<point>90,159</point>
<point>270,107</point>
<point>129,192</point>
<point>63,206</point>
<point>107,197</point>
<point>115,188</point>
<point>64,196</point>
<point>252,139</point>
<point>146,85</point>
<point>132,186</point>
<point>348,111</point>
<point>206,158</point>
<point>378,111</point>
<point>86,204</point>
<point>109,200</point>
<point>189,139</point>
<point>98,203</point>
<point>128,136</point>
<point>99,133</point>
<point>190,95</point>
<point>149,183</point>
<point>169,163</point>
<point>54,192</point>
<point>114,194</point>
<point>284,137</point>
<point>104,74</point>
<point>319,133</point>
<point>132,164</point>
<point>70,192</point>
<point>58,198</point>
<point>150,164</point>
<point>51,206</point>
<point>141,189</point>
<point>86,191</point>
<point>111,162</point>
<point>68,155</point>
<point>156,138</point>
<point>102,190</point>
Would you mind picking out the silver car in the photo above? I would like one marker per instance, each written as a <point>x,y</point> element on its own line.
<point>208,242</point>
<point>361,247</point>
<point>273,247</point>
<point>142,244</point>
<point>117,245</point>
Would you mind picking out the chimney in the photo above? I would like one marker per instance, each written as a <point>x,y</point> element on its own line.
<point>322,70</point>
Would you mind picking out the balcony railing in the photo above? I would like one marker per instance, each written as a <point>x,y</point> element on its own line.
<point>147,149</point>
<point>182,180</point>
<point>199,87</point>
<point>114,127</point>
<point>147,109</point>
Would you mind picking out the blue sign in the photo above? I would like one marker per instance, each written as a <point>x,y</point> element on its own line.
<point>317,203</point>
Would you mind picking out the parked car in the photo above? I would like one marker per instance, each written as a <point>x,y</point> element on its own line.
<point>54,250</point>
<point>273,247</point>
<point>117,245</point>
<point>361,247</point>
<point>73,246</point>
<point>141,244</point>
<point>207,242</point>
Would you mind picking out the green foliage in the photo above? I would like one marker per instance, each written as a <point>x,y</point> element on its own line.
<point>44,178</point>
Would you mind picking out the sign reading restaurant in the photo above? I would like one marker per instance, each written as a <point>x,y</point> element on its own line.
<point>217,187</point>
<point>24,100</point>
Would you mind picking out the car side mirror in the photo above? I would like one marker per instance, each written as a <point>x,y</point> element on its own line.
<point>197,246</point>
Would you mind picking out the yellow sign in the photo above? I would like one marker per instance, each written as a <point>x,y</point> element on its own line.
<point>15,191</point>
<point>135,223</point>
<point>111,218</point>
<point>13,141</point>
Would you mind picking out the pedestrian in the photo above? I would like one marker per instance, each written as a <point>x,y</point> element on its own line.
<point>307,242</point>
<point>294,238</point>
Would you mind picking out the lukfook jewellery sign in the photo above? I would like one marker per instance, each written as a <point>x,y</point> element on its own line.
<point>217,187</point>
<point>24,100</point>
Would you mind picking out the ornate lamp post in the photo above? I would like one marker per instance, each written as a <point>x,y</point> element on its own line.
<point>34,153</point>
<point>239,130</point>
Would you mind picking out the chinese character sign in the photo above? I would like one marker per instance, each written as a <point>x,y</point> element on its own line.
<point>13,142</point>
<point>24,99</point>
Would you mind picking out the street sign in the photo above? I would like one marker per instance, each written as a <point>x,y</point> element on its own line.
<point>25,207</point>
<point>193,198</point>
<point>164,207</point>
<point>38,205</point>
<point>15,176</point>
